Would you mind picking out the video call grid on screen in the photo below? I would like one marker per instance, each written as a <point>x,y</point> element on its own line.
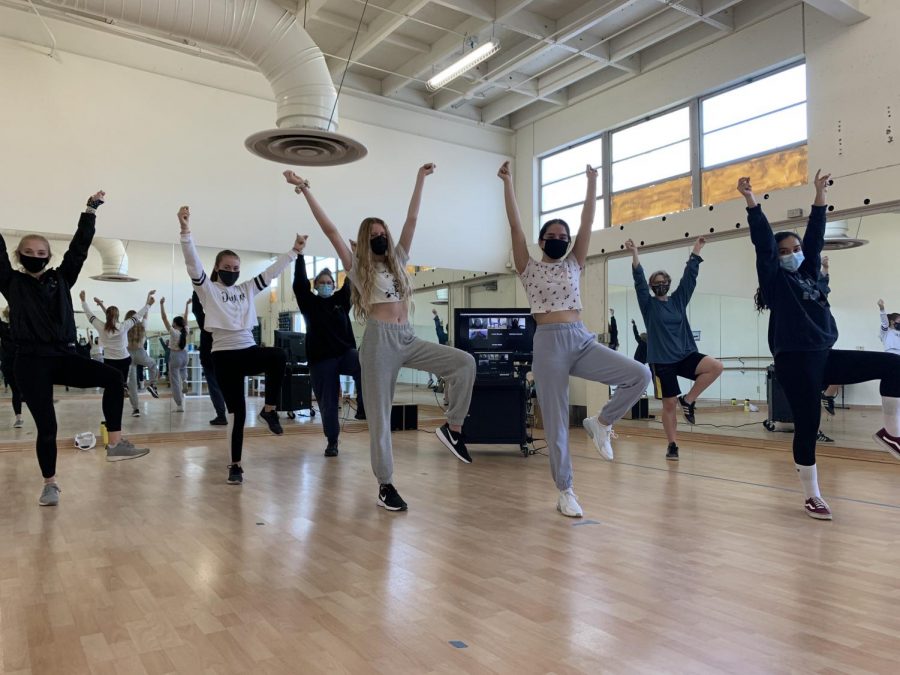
<point>487,330</point>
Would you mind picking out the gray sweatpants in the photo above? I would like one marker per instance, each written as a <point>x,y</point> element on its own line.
<point>140,357</point>
<point>563,349</point>
<point>385,349</point>
<point>178,360</point>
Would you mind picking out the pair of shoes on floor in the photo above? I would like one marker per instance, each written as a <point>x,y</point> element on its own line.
<point>602,435</point>
<point>219,421</point>
<point>124,449</point>
<point>271,418</point>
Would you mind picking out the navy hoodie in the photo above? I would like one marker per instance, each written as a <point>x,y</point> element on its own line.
<point>800,317</point>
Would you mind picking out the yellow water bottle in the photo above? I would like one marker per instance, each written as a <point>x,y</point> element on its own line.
<point>734,401</point>
<point>104,433</point>
<point>746,405</point>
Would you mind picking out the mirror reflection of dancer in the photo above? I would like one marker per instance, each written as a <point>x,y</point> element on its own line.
<point>42,323</point>
<point>230,317</point>
<point>137,338</point>
<point>7,367</point>
<point>381,293</point>
<point>671,348</point>
<point>562,345</point>
<point>177,355</point>
<point>330,345</point>
<point>802,333</point>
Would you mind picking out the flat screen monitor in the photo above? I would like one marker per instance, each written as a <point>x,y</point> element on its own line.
<point>494,330</point>
<point>293,344</point>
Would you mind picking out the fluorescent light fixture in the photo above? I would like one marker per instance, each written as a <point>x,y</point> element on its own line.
<point>467,62</point>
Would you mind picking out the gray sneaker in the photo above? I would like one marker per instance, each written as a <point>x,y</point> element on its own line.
<point>49,495</point>
<point>124,450</point>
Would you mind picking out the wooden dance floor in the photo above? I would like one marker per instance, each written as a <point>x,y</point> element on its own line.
<point>705,566</point>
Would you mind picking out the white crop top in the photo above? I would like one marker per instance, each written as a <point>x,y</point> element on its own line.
<point>552,287</point>
<point>386,288</point>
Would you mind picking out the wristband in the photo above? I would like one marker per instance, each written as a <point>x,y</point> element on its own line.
<point>94,203</point>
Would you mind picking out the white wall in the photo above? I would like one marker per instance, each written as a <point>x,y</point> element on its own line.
<point>75,124</point>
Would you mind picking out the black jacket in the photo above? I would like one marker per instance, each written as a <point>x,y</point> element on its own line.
<point>41,318</point>
<point>328,330</point>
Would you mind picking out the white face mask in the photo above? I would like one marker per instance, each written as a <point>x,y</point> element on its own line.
<point>792,261</point>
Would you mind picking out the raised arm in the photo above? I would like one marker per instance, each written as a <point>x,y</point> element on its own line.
<point>162,312</point>
<point>77,253</point>
<point>760,234</point>
<point>138,317</point>
<point>6,269</point>
<point>516,233</point>
<point>884,320</point>
<point>640,280</point>
<point>264,278</point>
<point>93,320</point>
<point>634,329</point>
<point>412,214</point>
<point>583,240</point>
<point>189,251</point>
<point>301,187</point>
<point>302,290</point>
<point>688,282</point>
<point>814,237</point>
<point>186,316</point>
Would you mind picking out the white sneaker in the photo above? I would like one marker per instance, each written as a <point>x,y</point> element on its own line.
<point>568,504</point>
<point>19,423</point>
<point>601,434</point>
<point>179,408</point>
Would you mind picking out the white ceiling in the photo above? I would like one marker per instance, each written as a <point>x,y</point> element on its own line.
<point>553,52</point>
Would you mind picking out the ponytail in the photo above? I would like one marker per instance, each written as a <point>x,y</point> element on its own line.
<point>182,341</point>
<point>760,301</point>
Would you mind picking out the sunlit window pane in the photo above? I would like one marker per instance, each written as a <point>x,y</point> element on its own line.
<point>655,133</point>
<point>657,165</point>
<point>572,216</point>
<point>564,193</point>
<point>775,130</point>
<point>572,161</point>
<point>757,98</point>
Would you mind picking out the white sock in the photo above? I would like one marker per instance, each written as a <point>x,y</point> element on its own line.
<point>809,479</point>
<point>891,407</point>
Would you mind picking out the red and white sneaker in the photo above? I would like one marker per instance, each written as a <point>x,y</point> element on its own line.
<point>892,443</point>
<point>817,508</point>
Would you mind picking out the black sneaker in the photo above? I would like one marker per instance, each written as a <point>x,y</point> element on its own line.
<point>331,450</point>
<point>135,413</point>
<point>672,452</point>
<point>828,404</point>
<point>360,414</point>
<point>219,421</point>
<point>152,389</point>
<point>687,409</point>
<point>454,442</point>
<point>235,474</point>
<point>822,438</point>
<point>271,419</point>
<point>390,499</point>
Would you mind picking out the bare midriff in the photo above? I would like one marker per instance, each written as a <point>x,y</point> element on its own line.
<point>560,316</point>
<point>390,312</point>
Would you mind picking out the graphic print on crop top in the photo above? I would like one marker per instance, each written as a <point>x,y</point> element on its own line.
<point>552,287</point>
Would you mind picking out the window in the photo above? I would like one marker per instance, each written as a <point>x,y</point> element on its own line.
<point>755,118</point>
<point>563,183</point>
<point>651,151</point>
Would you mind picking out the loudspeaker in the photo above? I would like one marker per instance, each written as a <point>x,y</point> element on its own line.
<point>640,410</point>
<point>404,417</point>
<point>497,413</point>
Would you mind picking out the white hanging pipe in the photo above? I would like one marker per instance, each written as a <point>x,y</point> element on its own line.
<point>269,37</point>
<point>112,253</point>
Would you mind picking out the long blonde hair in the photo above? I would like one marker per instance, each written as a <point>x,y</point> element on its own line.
<point>364,263</point>
<point>136,334</point>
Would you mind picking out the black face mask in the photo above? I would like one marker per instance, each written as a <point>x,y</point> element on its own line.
<point>555,248</point>
<point>660,289</point>
<point>33,264</point>
<point>379,244</point>
<point>226,277</point>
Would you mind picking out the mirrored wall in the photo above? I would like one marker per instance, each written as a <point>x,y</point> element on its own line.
<point>726,325</point>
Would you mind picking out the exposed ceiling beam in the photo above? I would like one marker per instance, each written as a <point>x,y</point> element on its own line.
<point>845,11</point>
<point>696,9</point>
<point>575,23</point>
<point>379,29</point>
<point>330,18</point>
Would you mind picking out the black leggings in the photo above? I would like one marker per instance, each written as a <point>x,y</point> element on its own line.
<point>231,368</point>
<point>8,367</point>
<point>803,375</point>
<point>38,374</point>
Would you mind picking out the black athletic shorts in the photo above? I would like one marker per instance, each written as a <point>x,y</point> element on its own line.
<point>665,375</point>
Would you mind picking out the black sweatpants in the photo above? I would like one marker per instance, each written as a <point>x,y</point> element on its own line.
<point>231,367</point>
<point>326,382</point>
<point>8,368</point>
<point>803,375</point>
<point>38,374</point>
